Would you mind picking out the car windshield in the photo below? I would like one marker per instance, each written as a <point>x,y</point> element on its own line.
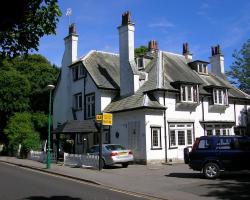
<point>114,147</point>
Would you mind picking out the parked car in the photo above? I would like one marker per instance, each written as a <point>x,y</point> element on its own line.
<point>113,154</point>
<point>214,154</point>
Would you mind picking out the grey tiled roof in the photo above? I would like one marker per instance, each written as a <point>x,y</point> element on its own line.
<point>75,126</point>
<point>104,68</point>
<point>136,101</point>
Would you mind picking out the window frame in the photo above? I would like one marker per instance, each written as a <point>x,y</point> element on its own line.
<point>77,101</point>
<point>78,72</point>
<point>176,128</point>
<point>159,146</point>
<point>92,105</point>
<point>219,128</point>
<point>220,96</point>
<point>189,93</point>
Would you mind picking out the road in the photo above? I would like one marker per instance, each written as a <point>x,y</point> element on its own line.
<point>23,184</point>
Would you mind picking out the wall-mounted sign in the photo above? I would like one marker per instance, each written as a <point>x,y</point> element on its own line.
<point>107,119</point>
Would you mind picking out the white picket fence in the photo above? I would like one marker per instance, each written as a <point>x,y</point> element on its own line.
<point>41,156</point>
<point>81,160</point>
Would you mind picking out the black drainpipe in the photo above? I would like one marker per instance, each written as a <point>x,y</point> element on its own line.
<point>165,129</point>
<point>203,117</point>
<point>234,114</point>
<point>84,104</point>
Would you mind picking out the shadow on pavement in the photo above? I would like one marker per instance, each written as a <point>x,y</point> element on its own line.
<point>229,186</point>
<point>52,198</point>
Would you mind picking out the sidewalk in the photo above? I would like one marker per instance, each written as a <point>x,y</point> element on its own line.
<point>149,180</point>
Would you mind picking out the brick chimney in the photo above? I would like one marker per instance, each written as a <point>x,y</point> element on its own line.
<point>186,52</point>
<point>217,61</point>
<point>152,46</point>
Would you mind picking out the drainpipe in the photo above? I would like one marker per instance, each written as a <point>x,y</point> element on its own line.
<point>165,129</point>
<point>84,91</point>
<point>234,114</point>
<point>203,117</point>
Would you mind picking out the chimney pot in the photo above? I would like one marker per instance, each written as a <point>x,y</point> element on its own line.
<point>72,29</point>
<point>152,46</point>
<point>126,18</point>
<point>185,49</point>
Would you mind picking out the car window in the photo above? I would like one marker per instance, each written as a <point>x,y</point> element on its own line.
<point>225,143</point>
<point>114,147</point>
<point>204,144</point>
<point>94,149</point>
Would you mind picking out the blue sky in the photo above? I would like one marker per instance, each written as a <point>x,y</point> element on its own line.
<point>171,23</point>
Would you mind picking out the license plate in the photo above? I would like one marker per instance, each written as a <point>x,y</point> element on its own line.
<point>123,153</point>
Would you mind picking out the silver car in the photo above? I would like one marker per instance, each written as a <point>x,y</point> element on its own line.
<point>113,154</point>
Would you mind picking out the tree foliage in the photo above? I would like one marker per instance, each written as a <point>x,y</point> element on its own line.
<point>20,130</point>
<point>240,69</point>
<point>24,22</point>
<point>140,51</point>
<point>37,72</point>
<point>14,92</point>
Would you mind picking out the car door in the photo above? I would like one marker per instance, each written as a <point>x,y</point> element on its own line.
<point>229,156</point>
<point>203,151</point>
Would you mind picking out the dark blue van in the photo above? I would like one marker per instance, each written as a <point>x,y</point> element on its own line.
<point>213,154</point>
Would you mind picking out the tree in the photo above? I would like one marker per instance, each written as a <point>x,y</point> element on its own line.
<point>20,131</point>
<point>140,51</point>
<point>240,69</point>
<point>38,72</point>
<point>24,22</point>
<point>23,81</point>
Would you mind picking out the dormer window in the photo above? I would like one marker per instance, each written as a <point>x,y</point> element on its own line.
<point>78,72</point>
<point>199,66</point>
<point>189,93</point>
<point>140,63</point>
<point>202,68</point>
<point>220,96</point>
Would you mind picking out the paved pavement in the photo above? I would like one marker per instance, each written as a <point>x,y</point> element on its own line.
<point>175,181</point>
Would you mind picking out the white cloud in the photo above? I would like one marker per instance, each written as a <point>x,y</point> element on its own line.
<point>161,24</point>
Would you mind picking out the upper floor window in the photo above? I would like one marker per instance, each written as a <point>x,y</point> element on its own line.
<point>189,93</point>
<point>90,105</point>
<point>220,96</point>
<point>202,68</point>
<point>78,101</point>
<point>78,72</point>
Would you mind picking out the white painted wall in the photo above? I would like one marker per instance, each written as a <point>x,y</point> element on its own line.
<point>121,123</point>
<point>154,119</point>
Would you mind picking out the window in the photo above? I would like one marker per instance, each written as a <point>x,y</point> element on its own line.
<point>156,138</point>
<point>90,105</point>
<point>78,101</point>
<point>202,68</point>
<point>181,138</point>
<point>221,129</point>
<point>189,93</point>
<point>220,96</point>
<point>204,144</point>
<point>78,72</point>
<point>180,135</point>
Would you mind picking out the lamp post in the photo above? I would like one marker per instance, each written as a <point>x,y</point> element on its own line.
<point>50,88</point>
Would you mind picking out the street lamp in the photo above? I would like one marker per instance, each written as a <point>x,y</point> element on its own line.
<point>50,88</point>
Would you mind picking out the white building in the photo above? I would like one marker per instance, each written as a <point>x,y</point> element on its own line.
<point>160,102</point>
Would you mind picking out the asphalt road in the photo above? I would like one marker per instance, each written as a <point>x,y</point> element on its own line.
<point>17,183</point>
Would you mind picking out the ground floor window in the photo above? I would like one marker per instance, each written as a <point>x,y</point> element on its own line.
<point>156,138</point>
<point>218,129</point>
<point>181,134</point>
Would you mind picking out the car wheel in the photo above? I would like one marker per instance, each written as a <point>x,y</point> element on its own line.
<point>124,165</point>
<point>103,165</point>
<point>211,170</point>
